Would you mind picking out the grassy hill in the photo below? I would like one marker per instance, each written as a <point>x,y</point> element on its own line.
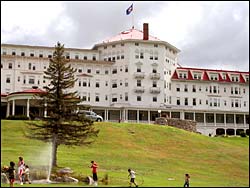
<point>155,152</point>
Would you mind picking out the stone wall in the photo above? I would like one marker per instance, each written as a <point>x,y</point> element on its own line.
<point>188,125</point>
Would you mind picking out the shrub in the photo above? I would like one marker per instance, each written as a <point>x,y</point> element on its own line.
<point>18,117</point>
<point>243,134</point>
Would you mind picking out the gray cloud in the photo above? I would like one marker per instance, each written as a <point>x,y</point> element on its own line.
<point>221,39</point>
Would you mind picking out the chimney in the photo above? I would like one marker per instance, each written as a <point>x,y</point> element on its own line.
<point>145,31</point>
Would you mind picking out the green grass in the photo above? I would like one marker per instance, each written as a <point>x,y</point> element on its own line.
<point>155,152</point>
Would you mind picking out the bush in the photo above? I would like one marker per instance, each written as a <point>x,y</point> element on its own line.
<point>243,134</point>
<point>18,117</point>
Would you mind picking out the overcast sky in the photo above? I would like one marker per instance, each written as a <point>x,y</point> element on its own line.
<point>209,34</point>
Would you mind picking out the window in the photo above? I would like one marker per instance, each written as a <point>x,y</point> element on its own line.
<point>138,69</point>
<point>18,78</point>
<point>114,71</point>
<point>106,83</point>
<point>106,72</point>
<point>97,99</point>
<point>138,98</point>
<point>186,88</point>
<point>141,55</point>
<point>30,66</point>
<point>113,58</point>
<point>97,72</point>
<point>85,58</point>
<point>154,99</point>
<point>156,57</point>
<point>154,84</point>
<point>186,101</point>
<point>178,88</point>
<point>10,65</point>
<point>122,44</point>
<point>8,79</point>
<point>76,56</point>
<point>31,80</point>
<point>113,46</point>
<point>13,53</point>
<point>194,88</point>
<point>94,58</point>
<point>79,70</point>
<point>126,69</point>
<point>154,70</point>
<point>114,99</point>
<point>40,55</point>
<point>31,55</point>
<point>22,54</point>
<point>138,83</point>
<point>178,102</point>
<point>194,102</point>
<point>136,44</point>
<point>126,96</point>
<point>89,71</point>
<point>156,45</point>
<point>97,84</point>
<point>79,84</point>
<point>122,56</point>
<point>84,98</point>
<point>105,47</point>
<point>84,84</point>
<point>34,67</point>
<point>49,56</point>
<point>106,97</point>
<point>114,85</point>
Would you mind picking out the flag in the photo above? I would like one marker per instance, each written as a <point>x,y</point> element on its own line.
<point>130,8</point>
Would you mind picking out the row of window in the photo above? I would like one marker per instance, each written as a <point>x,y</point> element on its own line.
<point>212,77</point>
<point>212,89</point>
<point>213,102</point>
<point>67,55</point>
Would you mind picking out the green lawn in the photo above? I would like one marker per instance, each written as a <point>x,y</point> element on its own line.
<point>155,152</point>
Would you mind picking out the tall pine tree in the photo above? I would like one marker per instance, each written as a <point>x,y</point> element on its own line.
<point>63,125</point>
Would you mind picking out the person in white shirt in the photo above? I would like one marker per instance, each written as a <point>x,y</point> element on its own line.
<point>132,177</point>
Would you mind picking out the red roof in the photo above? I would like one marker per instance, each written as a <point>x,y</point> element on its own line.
<point>130,34</point>
<point>32,91</point>
<point>206,74</point>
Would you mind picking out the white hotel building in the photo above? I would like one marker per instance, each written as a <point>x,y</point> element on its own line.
<point>131,77</point>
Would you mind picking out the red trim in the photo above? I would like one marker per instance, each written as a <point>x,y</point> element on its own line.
<point>175,75</point>
<point>190,77</point>
<point>205,76</point>
<point>242,80</point>
<point>32,91</point>
<point>213,70</point>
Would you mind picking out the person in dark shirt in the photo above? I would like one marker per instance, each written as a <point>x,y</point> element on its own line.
<point>187,177</point>
<point>11,171</point>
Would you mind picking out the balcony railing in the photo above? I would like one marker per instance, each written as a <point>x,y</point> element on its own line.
<point>155,90</point>
<point>139,89</point>
<point>139,74</point>
<point>155,76</point>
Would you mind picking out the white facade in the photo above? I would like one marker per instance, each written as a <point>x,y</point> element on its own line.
<point>129,79</point>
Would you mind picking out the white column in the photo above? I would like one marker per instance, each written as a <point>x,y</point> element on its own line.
<point>28,107</point>
<point>8,109</point>
<point>45,109</point>
<point>13,107</point>
<point>182,115</point>
<point>126,115</point>
<point>107,114</point>
<point>170,114</point>
<point>194,116</point>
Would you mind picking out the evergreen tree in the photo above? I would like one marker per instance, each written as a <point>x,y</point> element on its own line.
<point>62,125</point>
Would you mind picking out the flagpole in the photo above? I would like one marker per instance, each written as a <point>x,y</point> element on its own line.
<point>133,16</point>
